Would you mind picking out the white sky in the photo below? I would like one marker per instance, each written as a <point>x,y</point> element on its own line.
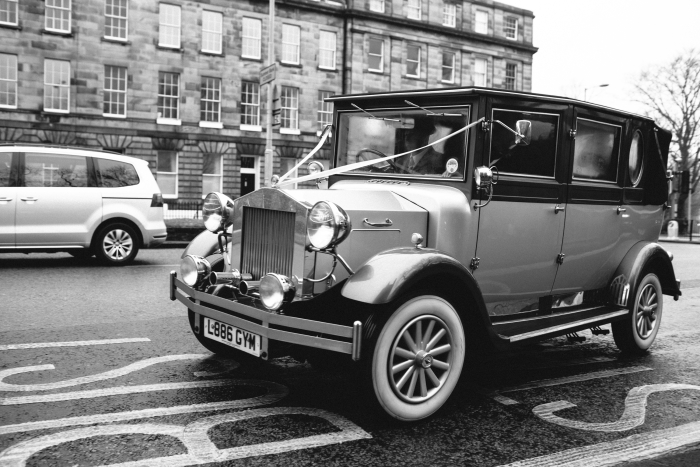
<point>585,43</point>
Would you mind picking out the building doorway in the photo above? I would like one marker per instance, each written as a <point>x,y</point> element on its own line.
<point>250,174</point>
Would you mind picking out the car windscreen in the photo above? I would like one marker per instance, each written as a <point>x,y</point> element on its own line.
<point>422,134</point>
<point>111,174</point>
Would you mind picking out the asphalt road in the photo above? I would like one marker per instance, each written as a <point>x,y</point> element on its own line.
<point>130,384</point>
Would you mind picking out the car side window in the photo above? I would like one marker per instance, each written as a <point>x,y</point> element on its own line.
<point>596,150</point>
<point>55,170</point>
<point>6,176</point>
<point>535,159</point>
<point>112,174</point>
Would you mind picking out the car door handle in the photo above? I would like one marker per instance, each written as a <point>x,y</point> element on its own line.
<point>5,199</point>
<point>620,209</point>
<point>386,223</point>
<point>29,198</point>
<point>558,209</point>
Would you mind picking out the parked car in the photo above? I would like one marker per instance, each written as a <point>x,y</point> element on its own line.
<point>455,220</point>
<point>84,202</point>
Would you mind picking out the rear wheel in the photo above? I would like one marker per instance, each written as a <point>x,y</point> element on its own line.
<point>116,244</point>
<point>637,332</point>
<point>418,358</point>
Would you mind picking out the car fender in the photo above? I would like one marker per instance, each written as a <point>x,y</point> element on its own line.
<point>642,257</point>
<point>204,244</point>
<point>388,275</point>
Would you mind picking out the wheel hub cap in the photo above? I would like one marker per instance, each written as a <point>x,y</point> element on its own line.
<point>646,311</point>
<point>424,359</point>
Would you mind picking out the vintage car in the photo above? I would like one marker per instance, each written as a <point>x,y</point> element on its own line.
<point>451,221</point>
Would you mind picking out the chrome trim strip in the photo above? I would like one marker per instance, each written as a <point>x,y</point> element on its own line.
<point>563,327</point>
<point>356,340</point>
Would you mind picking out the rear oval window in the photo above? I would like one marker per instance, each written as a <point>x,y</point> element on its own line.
<point>636,158</point>
<point>111,174</point>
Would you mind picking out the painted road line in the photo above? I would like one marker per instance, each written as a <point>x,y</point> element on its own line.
<point>504,400</point>
<point>200,449</point>
<point>113,391</point>
<point>634,448</point>
<point>41,345</point>
<point>153,266</point>
<point>140,365</point>
<point>575,379</point>
<point>632,417</point>
<point>275,392</point>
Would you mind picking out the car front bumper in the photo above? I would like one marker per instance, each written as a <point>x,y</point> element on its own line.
<point>270,326</point>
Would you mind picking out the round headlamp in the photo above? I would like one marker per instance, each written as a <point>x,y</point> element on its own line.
<point>216,212</point>
<point>327,225</point>
<point>194,270</point>
<point>275,290</point>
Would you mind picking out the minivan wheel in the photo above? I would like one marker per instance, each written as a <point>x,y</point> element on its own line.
<point>116,244</point>
<point>418,358</point>
<point>636,333</point>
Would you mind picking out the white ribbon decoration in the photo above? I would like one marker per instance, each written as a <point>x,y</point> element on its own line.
<point>359,165</point>
<point>324,136</point>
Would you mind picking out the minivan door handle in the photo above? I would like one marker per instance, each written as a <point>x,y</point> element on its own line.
<point>5,199</point>
<point>31,199</point>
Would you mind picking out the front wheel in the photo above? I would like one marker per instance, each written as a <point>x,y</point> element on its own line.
<point>116,245</point>
<point>636,333</point>
<point>418,358</point>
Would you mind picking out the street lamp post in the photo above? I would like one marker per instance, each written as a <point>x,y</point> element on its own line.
<point>585,90</point>
<point>270,88</point>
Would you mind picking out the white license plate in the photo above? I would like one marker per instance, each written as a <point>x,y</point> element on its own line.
<point>231,335</point>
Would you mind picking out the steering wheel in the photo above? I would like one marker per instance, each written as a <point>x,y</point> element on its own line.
<point>362,155</point>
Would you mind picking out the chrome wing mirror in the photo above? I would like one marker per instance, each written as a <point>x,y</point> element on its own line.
<point>315,167</point>
<point>485,178</point>
<point>523,134</point>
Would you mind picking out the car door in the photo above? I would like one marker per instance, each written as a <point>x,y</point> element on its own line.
<point>594,215</point>
<point>8,198</point>
<point>520,230</point>
<point>56,205</point>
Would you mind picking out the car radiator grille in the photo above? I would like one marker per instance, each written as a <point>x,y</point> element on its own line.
<point>267,243</point>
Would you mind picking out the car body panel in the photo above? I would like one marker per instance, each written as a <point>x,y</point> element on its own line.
<point>8,204</point>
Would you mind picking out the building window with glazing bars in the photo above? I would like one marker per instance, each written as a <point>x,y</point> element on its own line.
<point>325,109</point>
<point>376,5</point>
<point>58,15</point>
<point>289,103</point>
<point>168,97</point>
<point>449,15</point>
<point>166,173</point>
<point>413,61</point>
<point>326,50</point>
<point>375,55</point>
<point>169,26</point>
<point>480,68</point>
<point>413,9</point>
<point>210,102</point>
<point>252,37</point>
<point>212,173</point>
<point>511,69</point>
<point>116,15</point>
<point>212,29</point>
<point>510,27</point>
<point>250,106</point>
<point>448,67</point>
<point>8,12</point>
<point>8,81</point>
<point>56,86</point>
<point>114,100</point>
<point>291,36</point>
<point>481,22</point>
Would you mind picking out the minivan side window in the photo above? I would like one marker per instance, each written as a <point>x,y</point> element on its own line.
<point>112,174</point>
<point>55,170</point>
<point>537,158</point>
<point>6,175</point>
<point>596,150</point>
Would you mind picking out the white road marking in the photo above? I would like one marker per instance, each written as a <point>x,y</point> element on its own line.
<point>632,417</point>
<point>153,266</point>
<point>87,379</point>
<point>634,448</point>
<point>200,449</point>
<point>275,392</point>
<point>41,345</point>
<point>575,379</point>
<point>113,391</point>
<point>504,400</point>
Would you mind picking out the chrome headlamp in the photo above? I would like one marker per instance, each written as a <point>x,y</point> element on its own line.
<point>216,212</point>
<point>327,225</point>
<point>275,290</point>
<point>194,270</point>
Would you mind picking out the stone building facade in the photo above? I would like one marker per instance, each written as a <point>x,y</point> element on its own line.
<point>177,82</point>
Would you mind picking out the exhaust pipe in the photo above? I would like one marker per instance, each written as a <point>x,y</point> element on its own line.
<point>233,278</point>
<point>248,287</point>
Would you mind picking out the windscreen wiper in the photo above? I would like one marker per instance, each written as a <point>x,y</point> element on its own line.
<point>376,118</point>
<point>431,113</point>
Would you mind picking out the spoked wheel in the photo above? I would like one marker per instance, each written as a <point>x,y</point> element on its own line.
<point>637,332</point>
<point>116,245</point>
<point>418,358</point>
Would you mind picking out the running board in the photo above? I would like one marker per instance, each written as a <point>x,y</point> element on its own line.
<point>566,328</point>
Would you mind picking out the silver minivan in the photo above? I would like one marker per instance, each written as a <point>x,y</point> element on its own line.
<point>84,202</point>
